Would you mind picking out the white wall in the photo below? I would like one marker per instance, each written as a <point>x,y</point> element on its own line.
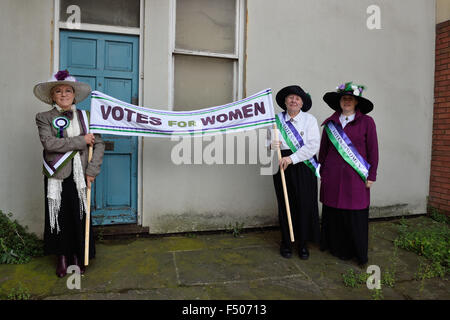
<point>25,59</point>
<point>319,44</point>
<point>314,43</point>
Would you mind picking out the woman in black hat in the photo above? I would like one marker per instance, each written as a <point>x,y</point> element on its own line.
<point>299,142</point>
<point>349,160</point>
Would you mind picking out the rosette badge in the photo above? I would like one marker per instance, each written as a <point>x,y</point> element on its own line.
<point>60,123</point>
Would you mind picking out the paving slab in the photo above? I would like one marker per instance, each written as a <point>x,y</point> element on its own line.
<point>220,266</point>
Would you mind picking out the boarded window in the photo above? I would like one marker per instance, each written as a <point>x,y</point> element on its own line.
<point>104,12</point>
<point>206,25</point>
<point>202,82</point>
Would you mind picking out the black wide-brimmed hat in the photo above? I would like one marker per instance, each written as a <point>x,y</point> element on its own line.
<point>333,98</point>
<point>283,93</point>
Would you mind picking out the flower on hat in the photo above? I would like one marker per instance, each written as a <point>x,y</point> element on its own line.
<point>62,75</point>
<point>350,87</point>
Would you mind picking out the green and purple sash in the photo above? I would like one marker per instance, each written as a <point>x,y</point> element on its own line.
<point>50,168</point>
<point>347,150</point>
<point>294,141</point>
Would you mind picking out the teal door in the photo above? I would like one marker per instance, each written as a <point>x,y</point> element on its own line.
<point>109,63</point>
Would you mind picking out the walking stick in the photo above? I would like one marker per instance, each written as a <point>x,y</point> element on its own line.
<point>283,181</point>
<point>88,216</point>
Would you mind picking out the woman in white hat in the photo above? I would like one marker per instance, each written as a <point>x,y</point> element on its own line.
<point>64,134</point>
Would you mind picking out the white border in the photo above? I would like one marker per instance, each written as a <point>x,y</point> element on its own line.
<point>240,45</point>
<point>57,26</point>
<point>140,192</point>
<point>171,58</point>
<point>55,36</point>
<point>102,28</point>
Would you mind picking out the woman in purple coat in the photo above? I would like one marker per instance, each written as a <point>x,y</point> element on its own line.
<point>349,159</point>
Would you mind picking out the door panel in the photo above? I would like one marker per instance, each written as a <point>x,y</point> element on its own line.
<point>109,63</point>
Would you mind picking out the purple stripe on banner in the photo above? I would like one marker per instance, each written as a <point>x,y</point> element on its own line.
<point>180,131</point>
<point>294,130</point>
<point>194,112</point>
<point>350,144</point>
<point>83,125</point>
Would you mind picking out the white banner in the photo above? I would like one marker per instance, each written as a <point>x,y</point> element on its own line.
<point>112,116</point>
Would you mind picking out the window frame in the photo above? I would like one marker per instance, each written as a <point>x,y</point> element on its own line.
<point>237,56</point>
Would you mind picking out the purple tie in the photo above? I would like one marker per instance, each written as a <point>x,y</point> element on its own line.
<point>68,114</point>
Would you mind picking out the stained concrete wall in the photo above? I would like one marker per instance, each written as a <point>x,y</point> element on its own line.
<point>193,196</point>
<point>26,57</point>
<point>317,44</point>
<point>324,43</point>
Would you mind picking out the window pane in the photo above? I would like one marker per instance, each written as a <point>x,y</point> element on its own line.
<point>206,25</point>
<point>105,12</point>
<point>202,82</point>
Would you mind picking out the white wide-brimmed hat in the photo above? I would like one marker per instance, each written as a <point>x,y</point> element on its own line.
<point>42,90</point>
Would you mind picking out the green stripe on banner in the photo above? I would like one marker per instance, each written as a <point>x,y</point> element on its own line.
<point>180,133</point>
<point>343,154</point>
<point>175,114</point>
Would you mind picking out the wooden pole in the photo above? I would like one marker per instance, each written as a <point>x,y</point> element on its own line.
<point>283,181</point>
<point>88,216</point>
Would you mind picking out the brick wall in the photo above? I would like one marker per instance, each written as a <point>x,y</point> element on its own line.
<point>440,157</point>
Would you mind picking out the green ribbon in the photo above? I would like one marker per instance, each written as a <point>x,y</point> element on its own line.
<point>343,154</point>
<point>291,144</point>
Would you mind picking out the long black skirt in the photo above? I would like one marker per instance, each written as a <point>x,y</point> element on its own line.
<point>345,233</point>
<point>301,183</point>
<point>71,237</point>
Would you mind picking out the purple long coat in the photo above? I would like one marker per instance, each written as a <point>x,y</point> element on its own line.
<point>341,187</point>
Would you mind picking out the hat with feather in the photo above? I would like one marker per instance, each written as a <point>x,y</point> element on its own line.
<point>333,98</point>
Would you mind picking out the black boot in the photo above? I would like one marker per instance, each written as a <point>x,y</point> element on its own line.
<point>77,262</point>
<point>61,267</point>
<point>285,251</point>
<point>303,252</point>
